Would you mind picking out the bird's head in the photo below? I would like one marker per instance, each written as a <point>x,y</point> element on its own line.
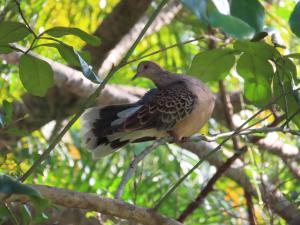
<point>148,69</point>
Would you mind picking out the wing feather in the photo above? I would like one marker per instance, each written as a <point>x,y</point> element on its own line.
<point>162,108</point>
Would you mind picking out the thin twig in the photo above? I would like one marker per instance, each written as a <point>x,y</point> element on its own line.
<point>11,214</point>
<point>286,110</point>
<point>163,49</point>
<point>132,167</point>
<point>92,97</point>
<point>250,208</point>
<point>228,111</point>
<point>209,186</point>
<point>215,137</point>
<point>24,19</point>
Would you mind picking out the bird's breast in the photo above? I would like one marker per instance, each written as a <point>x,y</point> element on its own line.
<point>199,116</point>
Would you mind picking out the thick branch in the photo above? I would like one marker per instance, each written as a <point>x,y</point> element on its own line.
<point>115,26</point>
<point>163,18</point>
<point>72,199</point>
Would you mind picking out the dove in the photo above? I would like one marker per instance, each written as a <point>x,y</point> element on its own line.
<point>178,107</point>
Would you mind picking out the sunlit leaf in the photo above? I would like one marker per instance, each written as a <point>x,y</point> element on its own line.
<point>294,20</point>
<point>251,67</point>
<point>250,11</point>
<point>36,75</point>
<point>258,74</point>
<point>222,6</point>
<point>232,26</point>
<point>62,31</point>
<point>258,90</point>
<point>212,65</point>
<point>258,49</point>
<point>12,32</point>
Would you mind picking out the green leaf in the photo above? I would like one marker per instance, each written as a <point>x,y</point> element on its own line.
<point>8,110</point>
<point>87,70</point>
<point>212,65</point>
<point>292,98</point>
<point>66,51</point>
<point>251,67</point>
<point>250,11</point>
<point>40,218</point>
<point>257,91</point>
<point>257,49</point>
<point>9,185</point>
<point>198,7</point>
<point>232,26</point>
<point>17,132</point>
<point>258,74</point>
<point>290,68</point>
<point>294,20</point>
<point>62,31</point>
<point>12,32</point>
<point>25,214</point>
<point>5,49</point>
<point>294,55</point>
<point>36,75</point>
<point>4,213</point>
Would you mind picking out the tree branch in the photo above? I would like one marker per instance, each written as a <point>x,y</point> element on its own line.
<point>250,208</point>
<point>115,26</point>
<point>90,202</point>
<point>162,19</point>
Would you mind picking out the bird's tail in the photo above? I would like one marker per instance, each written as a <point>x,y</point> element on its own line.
<point>103,129</point>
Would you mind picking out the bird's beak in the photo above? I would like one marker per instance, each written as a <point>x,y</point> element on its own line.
<point>135,76</point>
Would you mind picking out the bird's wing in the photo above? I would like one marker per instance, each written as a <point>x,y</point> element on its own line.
<point>162,108</point>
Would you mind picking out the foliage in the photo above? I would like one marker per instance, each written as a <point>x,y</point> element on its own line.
<point>243,57</point>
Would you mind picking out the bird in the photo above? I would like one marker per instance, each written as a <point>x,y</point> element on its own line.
<point>178,107</point>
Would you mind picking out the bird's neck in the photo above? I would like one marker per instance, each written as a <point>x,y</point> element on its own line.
<point>164,79</point>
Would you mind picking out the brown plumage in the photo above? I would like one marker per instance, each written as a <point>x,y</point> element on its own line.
<point>178,107</point>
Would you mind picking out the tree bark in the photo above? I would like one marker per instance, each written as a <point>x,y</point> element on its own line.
<point>91,202</point>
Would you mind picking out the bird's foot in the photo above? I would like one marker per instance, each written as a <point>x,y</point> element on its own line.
<point>175,138</point>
